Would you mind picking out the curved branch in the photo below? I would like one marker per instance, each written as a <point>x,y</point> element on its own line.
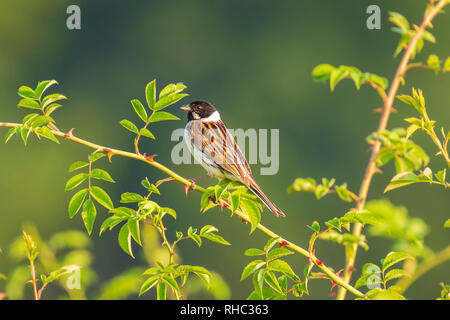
<point>149,160</point>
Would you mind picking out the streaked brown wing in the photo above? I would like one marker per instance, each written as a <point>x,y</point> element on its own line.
<point>219,146</point>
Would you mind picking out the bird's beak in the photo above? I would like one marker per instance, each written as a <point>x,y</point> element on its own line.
<point>186,108</point>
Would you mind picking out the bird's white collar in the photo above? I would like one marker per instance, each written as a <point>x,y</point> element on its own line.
<point>215,116</point>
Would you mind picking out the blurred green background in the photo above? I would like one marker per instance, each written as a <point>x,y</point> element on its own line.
<point>252,60</point>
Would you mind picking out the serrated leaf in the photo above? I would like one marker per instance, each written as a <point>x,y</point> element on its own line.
<point>88,214</point>
<point>282,266</point>
<point>278,253</point>
<point>150,94</point>
<point>101,175</point>
<point>336,76</point>
<point>76,202</point>
<point>215,238</point>
<point>394,258</point>
<point>52,98</point>
<point>395,274</point>
<point>11,132</point>
<point>75,181</point>
<point>252,211</point>
<point>315,226</point>
<point>270,243</point>
<point>402,179</point>
<point>441,176</point>
<point>131,197</point>
<point>171,89</point>
<point>95,156</point>
<point>258,281</point>
<point>78,165</point>
<point>252,267</point>
<point>133,226</point>
<point>29,104</point>
<point>111,222</point>
<point>207,229</point>
<point>51,108</point>
<point>148,284</point>
<point>147,133</point>
<point>43,86</point>
<point>162,116</point>
<point>254,252</point>
<point>322,72</point>
<point>169,100</point>
<point>101,197</point>
<point>196,238</point>
<point>125,239</point>
<point>171,282</point>
<point>130,126</point>
<point>47,133</point>
<point>139,109</point>
<point>272,281</point>
<point>27,92</point>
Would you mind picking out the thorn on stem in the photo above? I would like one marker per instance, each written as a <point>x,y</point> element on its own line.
<point>149,158</point>
<point>69,134</point>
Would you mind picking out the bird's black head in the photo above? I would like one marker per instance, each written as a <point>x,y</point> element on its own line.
<point>198,109</point>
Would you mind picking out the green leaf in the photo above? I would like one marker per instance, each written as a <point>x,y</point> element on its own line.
<point>196,238</point>
<point>322,72</point>
<point>11,132</point>
<point>95,156</point>
<point>171,282</point>
<point>169,100</point>
<point>401,180</point>
<point>162,116</point>
<point>216,238</point>
<point>130,126</point>
<point>43,86</point>
<point>400,21</point>
<point>125,239</point>
<point>394,258</point>
<point>336,76</point>
<point>282,266</point>
<point>76,202</point>
<point>272,281</point>
<point>131,197</point>
<point>252,211</point>
<point>29,104</point>
<point>343,193</point>
<point>148,284</point>
<point>278,253</point>
<point>88,214</point>
<point>270,243</point>
<point>78,165</point>
<point>235,202</point>
<point>133,226</point>
<point>111,222</point>
<point>384,294</point>
<point>150,94</point>
<point>447,64</point>
<point>315,226</point>
<point>252,267</point>
<point>395,274</point>
<point>27,92</point>
<point>371,275</point>
<point>147,133</point>
<point>254,252</point>
<point>447,223</point>
<point>139,109</point>
<point>47,133</point>
<point>75,181</point>
<point>101,197</point>
<point>101,175</point>
<point>57,274</point>
<point>52,98</point>
<point>258,281</point>
<point>51,108</point>
<point>441,175</point>
<point>171,89</point>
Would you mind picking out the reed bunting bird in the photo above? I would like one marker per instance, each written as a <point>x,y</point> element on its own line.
<point>213,146</point>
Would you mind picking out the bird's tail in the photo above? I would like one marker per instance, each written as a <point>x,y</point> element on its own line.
<point>269,204</point>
